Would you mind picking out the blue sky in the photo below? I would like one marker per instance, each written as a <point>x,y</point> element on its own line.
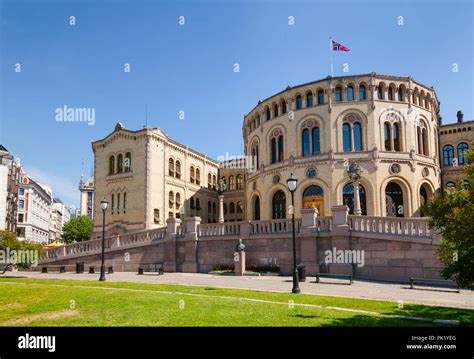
<point>190,68</point>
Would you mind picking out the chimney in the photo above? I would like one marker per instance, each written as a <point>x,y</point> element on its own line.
<point>460,116</point>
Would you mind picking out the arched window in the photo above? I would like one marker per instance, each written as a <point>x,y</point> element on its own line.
<point>465,184</point>
<point>310,138</point>
<point>299,102</point>
<point>401,94</point>
<point>280,148</point>
<point>427,103</point>
<point>214,181</point>
<point>191,174</point>
<point>209,207</point>
<point>351,134</point>
<point>283,107</point>
<point>386,132</point>
<point>198,204</point>
<point>214,208</point>
<point>198,176</point>
<point>348,198</point>
<point>231,208</point>
<point>306,142</point>
<point>313,197</point>
<point>178,170</point>
<point>124,201</point>
<point>390,93</point>
<point>423,196</point>
<point>338,94</point>
<point>320,97</point>
<point>120,163</point>
<point>118,201</point>
<point>392,133</point>
<point>225,208</point>
<point>171,167</point>
<point>256,209</point>
<point>191,203</point>
<point>111,165</point>
<point>178,200</point>
<point>396,137</point>
<point>267,114</point>
<point>240,207</point>
<point>112,203</point>
<point>462,153</point>
<point>346,137</point>
<point>231,183</point>
<point>350,93</point>
<point>277,146</point>
<point>171,199</point>
<point>128,162</point>
<point>450,185</point>
<point>362,93</point>
<point>316,140</point>
<point>209,180</point>
<point>275,110</point>
<point>279,205</point>
<point>309,99</point>
<point>380,92</point>
<point>422,134</point>
<point>448,155</point>
<point>394,200</point>
<point>239,182</point>
<point>254,152</point>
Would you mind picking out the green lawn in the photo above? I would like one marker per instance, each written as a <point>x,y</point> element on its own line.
<point>42,302</point>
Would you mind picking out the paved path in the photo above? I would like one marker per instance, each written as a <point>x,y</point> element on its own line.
<point>360,289</point>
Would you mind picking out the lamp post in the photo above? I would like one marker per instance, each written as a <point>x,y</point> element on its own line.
<point>103,205</point>
<point>354,173</point>
<point>220,188</point>
<point>292,183</point>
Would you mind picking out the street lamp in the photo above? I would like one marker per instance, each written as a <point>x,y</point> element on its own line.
<point>354,172</point>
<point>103,205</point>
<point>292,183</point>
<point>220,188</point>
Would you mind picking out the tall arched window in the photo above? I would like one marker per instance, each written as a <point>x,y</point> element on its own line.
<point>392,133</point>
<point>351,134</point>
<point>124,201</point>
<point>362,93</point>
<point>315,140</point>
<point>225,208</point>
<point>118,201</point>
<point>128,162</point>
<point>275,110</point>
<point>198,204</point>
<point>348,198</point>
<point>171,199</point>
<point>448,155</point>
<point>394,200</point>
<point>231,208</point>
<point>277,146</point>
<point>386,133</point>
<point>396,136</point>
<point>320,97</point>
<point>306,142</point>
<point>231,183</point>
<point>214,181</point>
<point>178,200</point>
<point>209,209</point>
<point>283,107</point>
<point>120,163</point>
<point>267,114</point>
<point>390,93</point>
<point>171,167</point>
<point>178,170</point>
<point>239,182</point>
<point>111,165</point>
<point>380,92</point>
<point>254,152</point>
<point>310,138</point>
<point>309,99</point>
<point>191,174</point>
<point>462,155</point>
<point>350,93</point>
<point>338,94</point>
<point>299,102</point>
<point>401,94</point>
<point>209,180</point>
<point>256,209</point>
<point>422,134</point>
<point>198,176</point>
<point>279,205</point>
<point>112,203</point>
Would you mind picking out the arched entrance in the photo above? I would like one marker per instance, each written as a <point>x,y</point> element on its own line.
<point>279,205</point>
<point>394,200</point>
<point>256,209</point>
<point>348,198</point>
<point>313,197</point>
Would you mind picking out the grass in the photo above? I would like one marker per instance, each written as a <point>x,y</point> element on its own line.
<point>48,302</point>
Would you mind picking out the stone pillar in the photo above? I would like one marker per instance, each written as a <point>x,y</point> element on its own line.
<point>239,261</point>
<point>221,208</point>
<point>172,225</point>
<point>357,209</point>
<point>339,239</point>
<point>309,240</point>
<point>190,264</point>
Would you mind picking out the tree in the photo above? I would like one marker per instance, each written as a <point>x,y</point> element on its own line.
<point>77,229</point>
<point>16,253</point>
<point>453,216</point>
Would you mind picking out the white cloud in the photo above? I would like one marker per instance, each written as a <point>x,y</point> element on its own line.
<point>63,187</point>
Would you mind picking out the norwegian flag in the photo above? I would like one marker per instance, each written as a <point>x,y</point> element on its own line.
<point>336,46</point>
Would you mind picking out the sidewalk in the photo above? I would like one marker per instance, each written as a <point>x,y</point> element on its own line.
<point>360,289</point>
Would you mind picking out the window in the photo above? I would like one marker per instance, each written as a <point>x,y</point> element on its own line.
<point>231,208</point>
<point>422,134</point>
<point>392,133</point>
<point>267,114</point>
<point>21,191</point>
<point>279,205</point>
<point>275,110</point>
<point>357,136</point>
<point>338,94</point>
<point>362,93</point>
<point>20,218</point>
<point>171,167</point>
<point>380,92</point>
<point>120,163</point>
<point>231,183</point>
<point>346,137</point>
<point>277,146</point>
<point>448,155</point>
<point>171,199</point>
<point>256,209</point>
<point>306,144</point>
<point>310,139</point>
<point>462,153</point>
<point>450,185</point>
<point>178,200</point>
<point>240,207</point>
<point>320,97</point>
<point>191,174</point>
<point>396,137</point>
<point>198,176</point>
<point>255,155</point>
<point>178,170</point>
<point>21,204</point>
<point>118,201</point>
<point>128,162</point>
<point>386,132</point>
<point>209,208</point>
<point>111,165</point>
<point>191,203</point>
<point>214,181</point>
<point>198,204</point>
<point>309,99</point>
<point>225,208</point>
<point>124,201</point>
<point>283,107</point>
<point>209,180</point>
<point>401,94</point>
<point>351,134</point>
<point>348,198</point>
<point>280,148</point>
<point>390,94</point>
<point>239,182</point>
<point>112,203</point>
<point>350,93</point>
<point>299,102</point>
<point>465,184</point>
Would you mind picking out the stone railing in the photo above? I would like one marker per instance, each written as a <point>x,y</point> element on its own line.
<point>219,229</point>
<point>324,224</point>
<point>273,226</point>
<point>414,227</point>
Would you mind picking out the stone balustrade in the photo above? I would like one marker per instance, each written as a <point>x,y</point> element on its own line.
<point>414,227</point>
<point>273,226</point>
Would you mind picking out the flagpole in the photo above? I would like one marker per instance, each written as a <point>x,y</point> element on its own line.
<point>330,53</point>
